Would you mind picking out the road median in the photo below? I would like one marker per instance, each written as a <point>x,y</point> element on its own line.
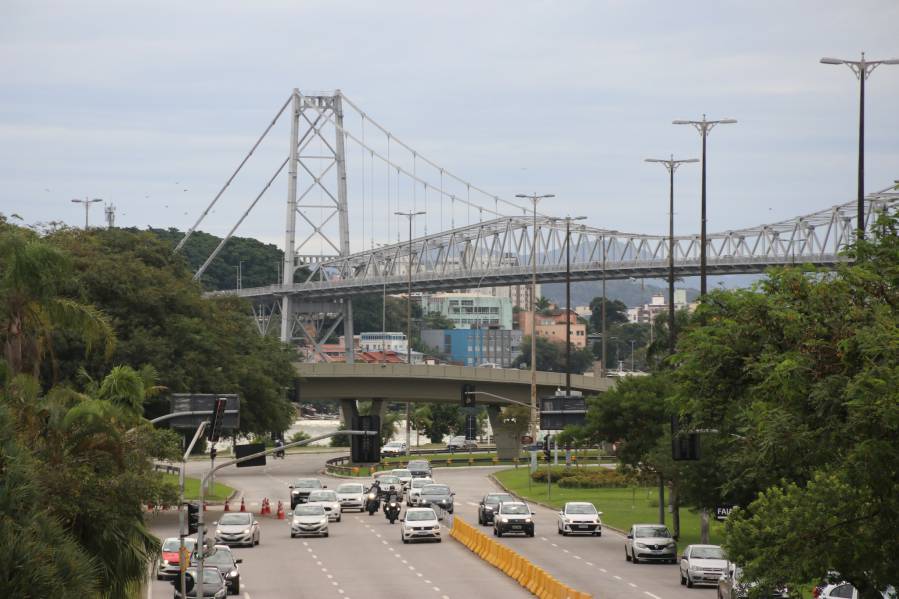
<point>535,579</point>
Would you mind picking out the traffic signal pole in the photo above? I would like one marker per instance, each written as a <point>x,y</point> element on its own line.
<point>181,517</point>
<point>201,533</point>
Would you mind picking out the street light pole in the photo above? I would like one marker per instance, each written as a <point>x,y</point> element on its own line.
<point>704,126</point>
<point>410,216</point>
<point>534,198</point>
<point>671,164</point>
<point>568,220</point>
<point>87,206</point>
<point>862,69</point>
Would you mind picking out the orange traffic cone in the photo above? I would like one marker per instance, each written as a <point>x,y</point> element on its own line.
<point>227,507</point>
<point>265,508</point>
<point>243,505</point>
<point>280,511</point>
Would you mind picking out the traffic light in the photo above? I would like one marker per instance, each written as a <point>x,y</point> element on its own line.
<point>218,418</point>
<point>684,445</point>
<point>468,397</point>
<point>547,443</point>
<point>193,518</point>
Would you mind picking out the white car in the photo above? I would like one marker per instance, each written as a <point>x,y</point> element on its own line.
<point>702,564</point>
<point>413,491</point>
<point>308,520</point>
<point>404,475</point>
<point>237,528</point>
<point>420,524</point>
<point>328,500</point>
<point>844,590</point>
<point>351,496</point>
<point>650,542</point>
<point>580,517</point>
<point>388,482</point>
<point>394,448</point>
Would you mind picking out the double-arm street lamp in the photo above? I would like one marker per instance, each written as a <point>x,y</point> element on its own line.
<point>862,69</point>
<point>671,164</point>
<point>704,126</point>
<point>87,206</point>
<point>534,198</point>
<point>411,216</point>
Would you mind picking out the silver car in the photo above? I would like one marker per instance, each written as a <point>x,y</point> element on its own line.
<point>237,528</point>
<point>351,496</point>
<point>650,542</point>
<point>308,520</point>
<point>404,475</point>
<point>580,517</point>
<point>413,492</point>
<point>328,500</point>
<point>702,564</point>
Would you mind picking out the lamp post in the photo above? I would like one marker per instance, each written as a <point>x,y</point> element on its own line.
<point>87,206</point>
<point>704,126</point>
<point>534,198</point>
<point>671,164</point>
<point>410,216</point>
<point>862,69</point>
<point>568,220</point>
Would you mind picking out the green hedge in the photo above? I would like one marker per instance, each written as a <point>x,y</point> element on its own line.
<point>582,478</point>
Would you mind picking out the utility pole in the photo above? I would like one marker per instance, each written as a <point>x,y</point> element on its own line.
<point>704,126</point>
<point>410,216</point>
<point>533,423</point>
<point>671,164</point>
<point>568,220</point>
<point>862,69</point>
<point>87,206</point>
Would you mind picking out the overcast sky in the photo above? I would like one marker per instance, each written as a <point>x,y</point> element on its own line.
<point>150,105</point>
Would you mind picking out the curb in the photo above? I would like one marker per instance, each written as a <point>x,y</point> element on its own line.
<point>542,504</point>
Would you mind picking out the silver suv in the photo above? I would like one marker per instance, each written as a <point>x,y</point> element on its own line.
<point>650,542</point>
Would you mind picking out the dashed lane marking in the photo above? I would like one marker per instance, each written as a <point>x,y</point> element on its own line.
<point>616,577</point>
<point>589,563</point>
<point>472,504</point>
<point>577,557</point>
<point>603,570</point>
<point>651,595</point>
<point>632,584</point>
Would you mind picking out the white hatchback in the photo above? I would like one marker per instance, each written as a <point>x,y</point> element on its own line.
<point>413,491</point>
<point>420,524</point>
<point>328,500</point>
<point>351,496</point>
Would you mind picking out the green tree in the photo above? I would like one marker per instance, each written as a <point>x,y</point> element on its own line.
<point>436,320</point>
<point>421,420</point>
<point>543,304</point>
<point>445,419</point>
<point>616,313</point>
<point>551,356</point>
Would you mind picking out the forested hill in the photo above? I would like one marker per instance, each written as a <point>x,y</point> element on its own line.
<point>260,263</point>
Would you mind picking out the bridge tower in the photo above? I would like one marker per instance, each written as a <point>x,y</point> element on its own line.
<point>316,194</point>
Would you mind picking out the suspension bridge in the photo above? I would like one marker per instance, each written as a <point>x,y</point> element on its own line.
<point>459,235</point>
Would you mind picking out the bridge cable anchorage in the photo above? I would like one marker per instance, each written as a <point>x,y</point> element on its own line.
<point>233,175</point>
<point>406,172</point>
<point>431,162</point>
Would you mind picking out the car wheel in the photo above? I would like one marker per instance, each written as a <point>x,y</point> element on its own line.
<point>237,586</point>
<point>325,535</point>
<point>682,579</point>
<point>339,518</point>
<point>439,540</point>
<point>531,534</point>
<point>558,530</point>
<point>405,541</point>
<point>634,559</point>
<point>627,556</point>
<point>689,581</point>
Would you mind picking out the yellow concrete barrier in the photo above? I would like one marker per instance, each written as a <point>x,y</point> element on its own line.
<point>536,580</point>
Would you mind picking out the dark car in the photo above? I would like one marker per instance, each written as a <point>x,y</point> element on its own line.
<point>513,517</point>
<point>419,468</point>
<point>489,506</point>
<point>300,489</point>
<point>437,496</point>
<point>223,560</point>
<point>214,586</point>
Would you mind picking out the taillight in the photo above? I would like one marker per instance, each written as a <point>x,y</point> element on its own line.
<point>816,592</point>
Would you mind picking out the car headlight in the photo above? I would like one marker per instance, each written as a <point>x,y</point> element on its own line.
<point>218,531</point>
<point>232,573</point>
<point>503,519</point>
<point>671,543</point>
<point>246,531</point>
<point>323,520</point>
<point>527,520</point>
<point>640,545</point>
<point>488,508</point>
<point>165,562</point>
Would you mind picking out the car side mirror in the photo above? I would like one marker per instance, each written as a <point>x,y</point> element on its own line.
<point>290,486</point>
<point>630,536</point>
<point>324,486</point>
<point>238,561</point>
<point>215,522</point>
<point>255,522</point>
<point>561,512</point>
<point>533,513</point>
<point>452,494</point>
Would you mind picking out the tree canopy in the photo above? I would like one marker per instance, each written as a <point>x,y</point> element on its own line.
<point>551,356</point>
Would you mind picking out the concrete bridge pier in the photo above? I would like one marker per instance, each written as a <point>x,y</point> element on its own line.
<point>350,408</point>
<point>508,445</point>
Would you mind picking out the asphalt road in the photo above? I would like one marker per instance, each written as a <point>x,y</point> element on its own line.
<point>364,556</point>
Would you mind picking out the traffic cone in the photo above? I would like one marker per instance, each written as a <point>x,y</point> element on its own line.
<point>227,506</point>
<point>280,511</point>
<point>243,505</point>
<point>265,507</point>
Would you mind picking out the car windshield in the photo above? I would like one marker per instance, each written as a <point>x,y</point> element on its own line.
<point>421,482</point>
<point>210,576</point>
<point>389,479</point>
<point>349,488</point>
<point>647,532</point>
<point>220,558</point>
<point>308,510</point>
<point>497,498</point>
<point>306,483</point>
<point>394,444</point>
<point>418,516</point>
<point>417,465</point>
<point>323,496</point>
<point>173,545</point>
<point>707,553</point>
<point>402,473</point>
<point>435,490</point>
<point>515,508</point>
<point>236,519</point>
<point>580,508</point>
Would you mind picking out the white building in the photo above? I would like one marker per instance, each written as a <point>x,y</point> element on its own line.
<point>657,305</point>
<point>389,341</point>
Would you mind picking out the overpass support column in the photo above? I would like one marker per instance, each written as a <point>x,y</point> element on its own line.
<point>508,445</point>
<point>378,408</point>
<point>348,409</point>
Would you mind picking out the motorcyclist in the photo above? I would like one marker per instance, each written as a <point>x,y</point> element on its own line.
<point>392,507</point>
<point>278,445</point>
<point>374,496</point>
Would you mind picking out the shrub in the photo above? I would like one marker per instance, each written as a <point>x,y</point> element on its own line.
<point>595,479</point>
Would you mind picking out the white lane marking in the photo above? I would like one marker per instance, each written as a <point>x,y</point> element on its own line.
<point>412,567</point>
<point>632,584</point>
<point>419,574</point>
<point>472,504</point>
<point>543,539</point>
<point>589,563</point>
<point>603,570</point>
<point>340,591</point>
<point>246,596</point>
<point>404,561</point>
<point>378,535</point>
<point>313,555</point>
<point>334,582</point>
<point>566,551</point>
<point>577,557</point>
<point>330,576</point>
<point>616,577</point>
<point>445,597</point>
<point>305,543</point>
<point>383,542</point>
<point>651,595</point>
<point>437,589</point>
<point>427,581</point>
<point>554,545</point>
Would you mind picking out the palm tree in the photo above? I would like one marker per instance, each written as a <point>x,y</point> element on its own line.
<point>543,304</point>
<point>33,275</point>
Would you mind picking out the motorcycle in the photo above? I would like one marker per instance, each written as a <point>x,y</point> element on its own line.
<point>392,510</point>
<point>280,452</point>
<point>372,502</point>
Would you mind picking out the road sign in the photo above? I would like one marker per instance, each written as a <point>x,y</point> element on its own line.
<point>559,411</point>
<point>723,511</point>
<point>241,451</point>
<point>199,402</point>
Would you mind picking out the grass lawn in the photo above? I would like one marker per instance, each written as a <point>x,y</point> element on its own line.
<point>460,458</point>
<point>192,489</point>
<point>620,507</point>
